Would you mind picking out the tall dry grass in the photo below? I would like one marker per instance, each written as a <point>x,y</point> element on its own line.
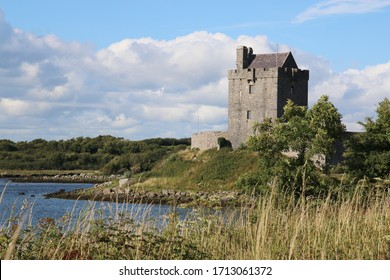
<point>279,226</point>
<point>284,227</point>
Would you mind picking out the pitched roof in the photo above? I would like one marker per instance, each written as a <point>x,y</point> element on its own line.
<point>273,60</point>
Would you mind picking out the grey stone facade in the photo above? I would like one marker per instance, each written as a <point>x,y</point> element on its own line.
<point>259,88</point>
<point>207,139</point>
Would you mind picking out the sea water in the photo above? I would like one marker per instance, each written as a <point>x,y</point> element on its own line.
<point>28,199</point>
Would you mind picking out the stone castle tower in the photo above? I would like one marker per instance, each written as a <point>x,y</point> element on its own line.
<point>259,88</point>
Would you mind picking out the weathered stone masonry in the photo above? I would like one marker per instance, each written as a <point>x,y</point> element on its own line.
<point>207,139</point>
<point>259,88</point>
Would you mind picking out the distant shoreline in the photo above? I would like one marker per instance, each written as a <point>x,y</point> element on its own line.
<point>57,178</point>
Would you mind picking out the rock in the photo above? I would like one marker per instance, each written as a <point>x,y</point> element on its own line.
<point>124,183</point>
<point>151,195</point>
<point>165,192</point>
<point>106,191</point>
<point>119,191</point>
<point>127,191</point>
<point>171,192</point>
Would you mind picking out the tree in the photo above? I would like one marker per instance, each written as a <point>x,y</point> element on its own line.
<point>8,146</point>
<point>302,133</point>
<point>368,153</point>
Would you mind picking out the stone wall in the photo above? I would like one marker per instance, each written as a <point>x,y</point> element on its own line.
<point>293,85</point>
<point>252,98</point>
<point>207,139</point>
<point>259,93</point>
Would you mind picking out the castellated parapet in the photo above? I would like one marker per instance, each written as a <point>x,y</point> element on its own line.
<point>259,88</point>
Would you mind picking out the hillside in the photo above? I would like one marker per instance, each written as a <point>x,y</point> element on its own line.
<point>199,170</point>
<point>185,177</point>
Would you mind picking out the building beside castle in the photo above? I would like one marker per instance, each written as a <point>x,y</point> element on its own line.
<point>259,88</point>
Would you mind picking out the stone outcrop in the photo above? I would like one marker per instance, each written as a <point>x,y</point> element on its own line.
<point>133,195</point>
<point>60,178</point>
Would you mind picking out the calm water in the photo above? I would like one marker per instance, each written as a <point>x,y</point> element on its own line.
<point>20,196</point>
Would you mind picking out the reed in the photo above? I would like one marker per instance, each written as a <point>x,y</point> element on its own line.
<point>278,226</point>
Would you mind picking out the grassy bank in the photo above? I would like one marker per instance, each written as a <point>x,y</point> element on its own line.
<point>187,177</point>
<point>280,226</point>
<point>193,170</point>
<point>183,170</point>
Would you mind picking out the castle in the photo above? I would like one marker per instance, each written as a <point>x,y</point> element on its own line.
<point>259,88</point>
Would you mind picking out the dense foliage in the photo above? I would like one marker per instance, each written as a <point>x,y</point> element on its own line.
<point>368,153</point>
<point>304,134</point>
<point>107,153</point>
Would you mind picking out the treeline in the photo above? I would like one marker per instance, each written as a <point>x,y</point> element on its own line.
<point>112,155</point>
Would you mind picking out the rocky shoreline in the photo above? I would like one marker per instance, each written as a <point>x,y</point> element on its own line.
<point>131,194</point>
<point>59,178</point>
<point>127,191</point>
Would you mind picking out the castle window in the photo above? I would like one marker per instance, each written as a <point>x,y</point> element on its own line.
<point>250,89</point>
<point>248,115</point>
<point>292,90</point>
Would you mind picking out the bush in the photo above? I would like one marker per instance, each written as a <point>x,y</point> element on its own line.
<point>250,183</point>
<point>368,153</point>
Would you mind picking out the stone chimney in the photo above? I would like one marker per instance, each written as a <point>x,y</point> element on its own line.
<point>242,59</point>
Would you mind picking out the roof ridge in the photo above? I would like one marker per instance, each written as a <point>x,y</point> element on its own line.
<point>269,60</point>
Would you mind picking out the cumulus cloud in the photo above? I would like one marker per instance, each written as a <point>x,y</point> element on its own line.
<point>207,113</point>
<point>333,7</point>
<point>356,92</point>
<point>141,88</point>
<point>17,107</point>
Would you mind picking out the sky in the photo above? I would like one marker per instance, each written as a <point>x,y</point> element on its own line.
<point>145,69</point>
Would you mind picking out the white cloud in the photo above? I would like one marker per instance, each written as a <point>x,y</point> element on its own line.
<point>17,107</point>
<point>30,70</point>
<point>140,88</point>
<point>121,121</point>
<point>55,92</point>
<point>13,107</point>
<point>333,7</point>
<point>356,92</point>
<point>214,114</point>
<point>174,113</point>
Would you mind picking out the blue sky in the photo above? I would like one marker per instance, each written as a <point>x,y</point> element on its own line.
<point>139,69</point>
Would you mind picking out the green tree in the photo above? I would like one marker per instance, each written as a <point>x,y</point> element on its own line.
<point>301,133</point>
<point>368,153</point>
<point>8,146</point>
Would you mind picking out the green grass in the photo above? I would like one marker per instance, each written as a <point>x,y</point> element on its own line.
<point>209,170</point>
<point>279,226</point>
